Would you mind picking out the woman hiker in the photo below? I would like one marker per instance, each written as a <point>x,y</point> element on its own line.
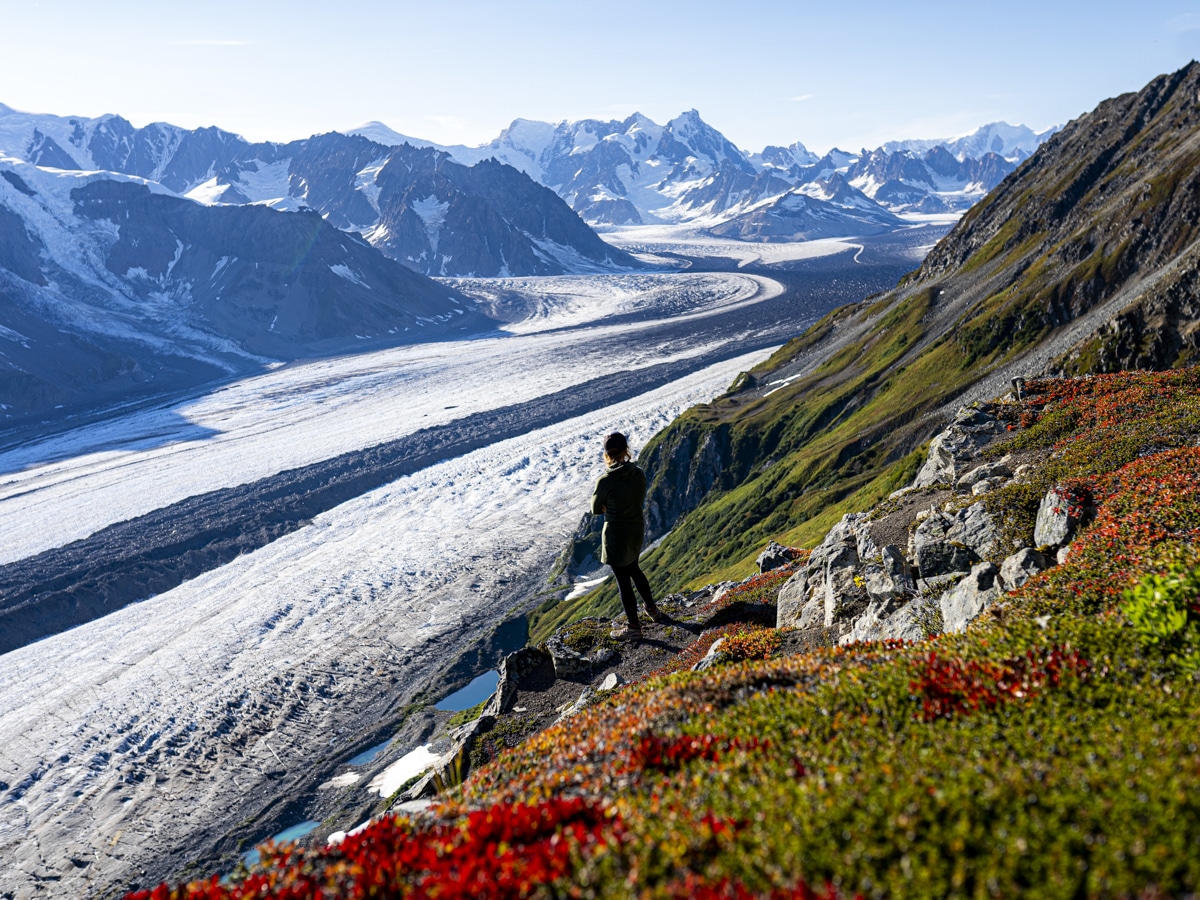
<point>619,494</point>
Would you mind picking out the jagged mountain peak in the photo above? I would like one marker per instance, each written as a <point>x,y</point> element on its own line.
<point>794,154</point>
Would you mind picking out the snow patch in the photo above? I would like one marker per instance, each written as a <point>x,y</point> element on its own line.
<point>344,271</point>
<point>433,214</point>
<point>410,764</point>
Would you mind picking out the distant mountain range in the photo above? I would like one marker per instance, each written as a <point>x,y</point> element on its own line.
<point>136,260</point>
<point>417,206</point>
<point>635,171</point>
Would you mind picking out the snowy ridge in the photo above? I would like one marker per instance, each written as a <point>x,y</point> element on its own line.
<point>636,171</point>
<point>1012,142</point>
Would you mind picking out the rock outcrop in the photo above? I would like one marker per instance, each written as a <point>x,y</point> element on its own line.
<point>861,591</point>
<point>951,451</point>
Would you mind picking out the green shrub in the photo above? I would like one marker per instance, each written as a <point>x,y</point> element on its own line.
<point>1164,610</point>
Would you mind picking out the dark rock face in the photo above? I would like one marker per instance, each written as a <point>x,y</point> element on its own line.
<point>684,468</point>
<point>443,218</point>
<point>276,283</point>
<point>20,253</point>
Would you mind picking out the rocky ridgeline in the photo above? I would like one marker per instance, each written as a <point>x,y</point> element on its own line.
<point>952,568</point>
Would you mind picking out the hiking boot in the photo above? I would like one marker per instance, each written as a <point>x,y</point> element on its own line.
<point>627,633</point>
<point>655,614</point>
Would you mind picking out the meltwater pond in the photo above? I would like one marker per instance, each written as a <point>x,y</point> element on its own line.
<point>480,688</point>
<point>286,836</point>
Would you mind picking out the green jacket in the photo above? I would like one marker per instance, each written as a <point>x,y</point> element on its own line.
<point>620,494</point>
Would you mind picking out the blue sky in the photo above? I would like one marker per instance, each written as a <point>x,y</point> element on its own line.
<point>457,71</point>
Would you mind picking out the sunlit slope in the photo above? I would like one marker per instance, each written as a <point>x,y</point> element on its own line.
<point>1084,259</point>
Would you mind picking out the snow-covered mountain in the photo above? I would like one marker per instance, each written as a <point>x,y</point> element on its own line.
<point>932,182</point>
<point>635,171</point>
<point>623,172</point>
<point>816,209</point>
<point>435,215</point>
<point>113,286</point>
<point>1015,143</point>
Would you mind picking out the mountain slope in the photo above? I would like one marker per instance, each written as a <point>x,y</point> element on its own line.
<point>1095,231</point>
<point>820,209</point>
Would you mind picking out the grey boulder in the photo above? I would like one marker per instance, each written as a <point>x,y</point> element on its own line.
<point>1023,565</point>
<point>998,469</point>
<point>774,556</point>
<point>970,597</point>
<point>1057,519</point>
<point>953,449</point>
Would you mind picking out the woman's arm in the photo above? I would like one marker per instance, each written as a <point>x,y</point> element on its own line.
<point>598,496</point>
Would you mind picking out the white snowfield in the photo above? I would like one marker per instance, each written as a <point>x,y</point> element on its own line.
<point>651,240</point>
<point>125,738</point>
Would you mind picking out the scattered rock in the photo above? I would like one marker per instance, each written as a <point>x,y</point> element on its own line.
<point>713,657</point>
<point>935,550</point>
<point>979,488</point>
<point>1023,471</point>
<point>971,596</point>
<point>939,583</point>
<point>611,681</point>
<point>454,767</point>
<point>774,556</point>
<point>796,605</point>
<point>884,619</point>
<point>527,667</point>
<point>890,578</point>
<point>578,706</point>
<point>1021,566</point>
<point>998,469</point>
<point>1057,516</point>
<point>581,647</point>
<point>720,590</point>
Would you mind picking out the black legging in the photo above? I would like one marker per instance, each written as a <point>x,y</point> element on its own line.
<point>627,577</point>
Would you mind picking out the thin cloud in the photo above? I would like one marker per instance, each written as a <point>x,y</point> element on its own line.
<point>203,43</point>
<point>455,122</point>
<point>800,98</point>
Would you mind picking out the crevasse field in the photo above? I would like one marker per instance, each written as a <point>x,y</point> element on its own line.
<point>131,739</point>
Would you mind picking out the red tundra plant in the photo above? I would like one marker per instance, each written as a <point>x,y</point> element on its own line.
<point>948,686</point>
<point>669,754</point>
<point>504,851</point>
